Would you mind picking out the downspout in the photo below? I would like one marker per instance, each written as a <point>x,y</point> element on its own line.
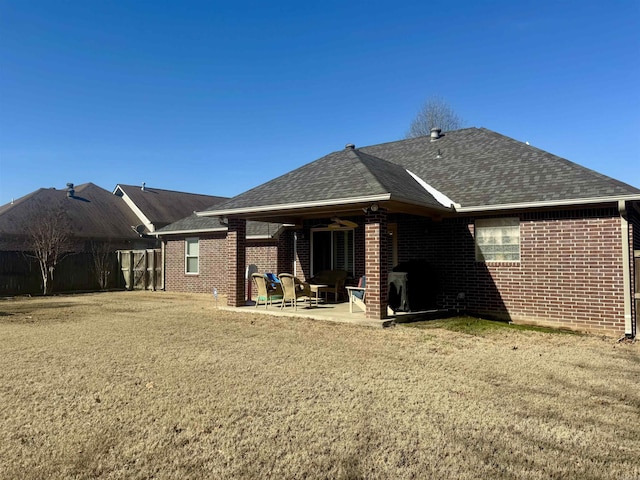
<point>626,265</point>
<point>295,254</point>
<point>164,264</point>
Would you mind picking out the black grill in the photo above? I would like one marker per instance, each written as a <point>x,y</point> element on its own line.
<point>413,287</point>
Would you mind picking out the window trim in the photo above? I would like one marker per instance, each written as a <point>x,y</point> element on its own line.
<point>494,223</point>
<point>187,256</point>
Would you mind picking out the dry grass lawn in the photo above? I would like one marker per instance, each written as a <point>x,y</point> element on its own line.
<point>158,385</point>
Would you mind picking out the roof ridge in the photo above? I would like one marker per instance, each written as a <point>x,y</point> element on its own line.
<point>422,137</point>
<point>372,179</point>
<point>398,171</point>
<point>15,202</point>
<point>121,185</point>
<point>84,186</point>
<point>375,176</point>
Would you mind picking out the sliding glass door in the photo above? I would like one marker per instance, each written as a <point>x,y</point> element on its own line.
<point>332,250</point>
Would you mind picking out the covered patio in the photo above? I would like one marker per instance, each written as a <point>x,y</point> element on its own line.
<point>346,220</point>
<point>333,312</point>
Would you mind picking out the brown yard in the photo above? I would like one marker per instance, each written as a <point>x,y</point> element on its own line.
<point>159,385</point>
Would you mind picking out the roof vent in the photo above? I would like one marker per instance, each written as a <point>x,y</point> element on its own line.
<point>143,186</point>
<point>435,134</point>
<point>349,146</point>
<point>70,190</point>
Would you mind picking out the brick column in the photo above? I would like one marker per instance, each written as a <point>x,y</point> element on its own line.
<point>375,249</point>
<point>236,261</point>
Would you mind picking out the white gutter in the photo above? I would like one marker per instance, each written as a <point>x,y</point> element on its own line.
<point>259,237</point>
<point>437,194</point>
<point>164,264</point>
<point>550,203</point>
<point>626,266</point>
<point>183,232</point>
<point>210,230</point>
<point>294,206</point>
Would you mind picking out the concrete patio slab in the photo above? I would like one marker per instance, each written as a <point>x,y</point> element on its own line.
<point>334,312</point>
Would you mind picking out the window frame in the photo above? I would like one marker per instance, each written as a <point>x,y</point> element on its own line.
<point>504,224</point>
<point>188,256</point>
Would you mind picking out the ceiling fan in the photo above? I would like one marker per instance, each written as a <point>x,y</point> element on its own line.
<point>339,223</point>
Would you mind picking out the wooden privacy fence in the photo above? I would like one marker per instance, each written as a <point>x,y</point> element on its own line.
<point>141,269</point>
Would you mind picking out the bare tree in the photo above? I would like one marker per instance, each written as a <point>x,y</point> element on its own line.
<point>435,113</point>
<point>49,238</point>
<point>102,254</point>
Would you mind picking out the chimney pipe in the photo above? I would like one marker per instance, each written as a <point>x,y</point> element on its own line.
<point>143,185</point>
<point>435,134</point>
<point>70,190</point>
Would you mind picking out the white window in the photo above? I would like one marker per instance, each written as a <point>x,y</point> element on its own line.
<point>497,240</point>
<point>192,254</point>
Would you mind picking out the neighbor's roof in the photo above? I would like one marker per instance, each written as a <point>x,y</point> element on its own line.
<point>94,212</point>
<point>473,167</point>
<point>162,207</point>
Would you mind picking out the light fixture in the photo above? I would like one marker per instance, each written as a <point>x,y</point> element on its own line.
<point>374,207</point>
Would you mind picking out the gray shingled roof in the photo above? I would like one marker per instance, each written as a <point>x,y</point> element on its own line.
<point>196,224</point>
<point>479,167</point>
<point>472,166</point>
<point>94,212</point>
<point>347,173</point>
<point>163,207</point>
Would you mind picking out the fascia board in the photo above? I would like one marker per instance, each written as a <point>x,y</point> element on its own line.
<point>134,208</point>
<point>552,203</point>
<point>211,230</point>
<point>190,231</point>
<point>294,206</point>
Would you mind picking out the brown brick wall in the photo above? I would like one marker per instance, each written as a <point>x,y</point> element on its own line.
<point>212,265</point>
<point>569,274</point>
<point>263,254</point>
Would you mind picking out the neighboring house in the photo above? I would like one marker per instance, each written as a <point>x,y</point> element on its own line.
<point>157,208</point>
<point>506,229</point>
<point>96,221</point>
<point>99,222</point>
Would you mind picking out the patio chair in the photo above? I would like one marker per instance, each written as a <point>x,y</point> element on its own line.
<point>266,292</point>
<point>357,294</point>
<point>293,289</point>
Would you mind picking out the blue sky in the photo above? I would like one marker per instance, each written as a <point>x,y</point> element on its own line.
<point>217,97</point>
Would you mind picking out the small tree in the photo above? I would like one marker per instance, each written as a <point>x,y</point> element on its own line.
<point>49,238</point>
<point>102,254</point>
<point>435,113</point>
